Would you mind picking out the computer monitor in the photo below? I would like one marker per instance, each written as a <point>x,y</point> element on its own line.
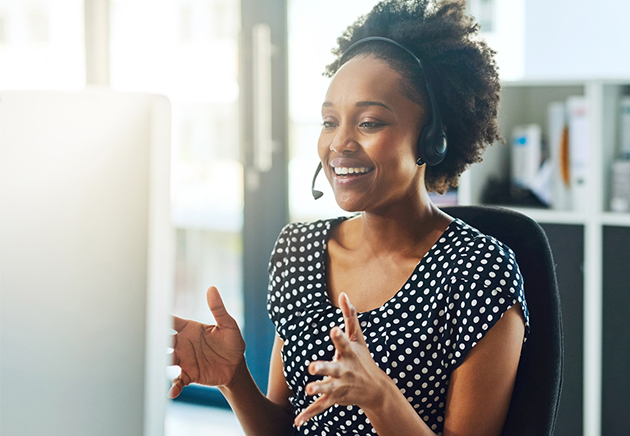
<point>86,270</point>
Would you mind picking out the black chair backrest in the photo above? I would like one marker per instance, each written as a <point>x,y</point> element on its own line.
<point>534,405</point>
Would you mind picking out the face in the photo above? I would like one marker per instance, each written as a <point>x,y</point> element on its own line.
<point>368,142</point>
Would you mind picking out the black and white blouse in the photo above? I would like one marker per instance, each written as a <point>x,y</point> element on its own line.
<point>457,292</point>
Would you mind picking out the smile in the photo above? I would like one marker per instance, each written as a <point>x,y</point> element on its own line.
<point>343,171</point>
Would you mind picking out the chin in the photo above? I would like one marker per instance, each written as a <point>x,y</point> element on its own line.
<point>348,204</point>
<point>351,209</point>
<point>358,205</point>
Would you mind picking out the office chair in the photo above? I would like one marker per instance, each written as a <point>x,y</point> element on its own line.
<point>534,405</point>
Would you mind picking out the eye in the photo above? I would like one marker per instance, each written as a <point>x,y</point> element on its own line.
<point>370,125</point>
<point>328,125</point>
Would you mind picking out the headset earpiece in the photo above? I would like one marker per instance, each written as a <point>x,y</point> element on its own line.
<point>432,143</point>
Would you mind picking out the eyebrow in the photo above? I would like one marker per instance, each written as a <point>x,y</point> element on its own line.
<point>362,104</point>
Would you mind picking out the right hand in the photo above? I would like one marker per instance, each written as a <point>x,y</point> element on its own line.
<point>207,354</point>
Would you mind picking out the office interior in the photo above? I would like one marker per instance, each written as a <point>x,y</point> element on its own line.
<point>243,80</point>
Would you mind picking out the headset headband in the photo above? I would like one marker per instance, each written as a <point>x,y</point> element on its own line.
<point>383,39</point>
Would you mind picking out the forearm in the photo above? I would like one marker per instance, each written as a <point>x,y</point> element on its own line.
<point>394,416</point>
<point>258,415</point>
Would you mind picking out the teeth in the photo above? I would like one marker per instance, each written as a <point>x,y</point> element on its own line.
<point>350,170</point>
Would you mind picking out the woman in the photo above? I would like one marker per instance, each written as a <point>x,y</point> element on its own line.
<point>431,341</point>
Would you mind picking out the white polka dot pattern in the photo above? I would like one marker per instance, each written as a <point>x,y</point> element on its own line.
<point>459,290</point>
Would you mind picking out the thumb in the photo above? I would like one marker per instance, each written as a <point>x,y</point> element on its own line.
<point>215,303</point>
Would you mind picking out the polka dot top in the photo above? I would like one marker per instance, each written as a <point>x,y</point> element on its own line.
<point>459,289</point>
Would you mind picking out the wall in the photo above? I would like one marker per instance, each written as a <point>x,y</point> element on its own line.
<point>585,39</point>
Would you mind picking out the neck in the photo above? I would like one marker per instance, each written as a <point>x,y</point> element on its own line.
<point>404,227</point>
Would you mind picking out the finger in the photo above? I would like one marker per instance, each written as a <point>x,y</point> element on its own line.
<point>178,385</point>
<point>320,405</point>
<point>179,323</point>
<point>326,386</point>
<point>341,342</point>
<point>215,303</point>
<point>176,388</point>
<point>351,319</point>
<point>332,369</point>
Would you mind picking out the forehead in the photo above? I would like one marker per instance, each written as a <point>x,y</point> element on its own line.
<point>365,78</point>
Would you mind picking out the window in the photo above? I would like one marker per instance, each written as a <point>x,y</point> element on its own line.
<point>41,44</point>
<point>188,51</point>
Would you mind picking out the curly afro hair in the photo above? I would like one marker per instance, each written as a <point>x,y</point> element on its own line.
<point>459,66</point>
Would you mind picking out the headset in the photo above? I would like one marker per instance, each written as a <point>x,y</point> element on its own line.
<point>432,142</point>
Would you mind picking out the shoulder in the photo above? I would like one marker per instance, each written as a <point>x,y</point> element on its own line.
<point>470,241</point>
<point>480,257</point>
<point>484,262</point>
<point>302,234</point>
<point>299,246</point>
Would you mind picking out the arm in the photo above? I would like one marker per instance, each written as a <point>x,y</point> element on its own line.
<point>259,415</point>
<point>213,355</point>
<point>480,389</point>
<point>479,392</point>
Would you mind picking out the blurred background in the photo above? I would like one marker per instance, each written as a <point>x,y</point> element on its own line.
<point>244,78</point>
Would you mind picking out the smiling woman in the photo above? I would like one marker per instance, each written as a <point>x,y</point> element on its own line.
<point>400,320</point>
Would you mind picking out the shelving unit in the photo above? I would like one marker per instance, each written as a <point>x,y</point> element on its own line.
<point>526,103</point>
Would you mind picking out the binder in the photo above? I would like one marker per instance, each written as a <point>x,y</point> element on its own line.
<point>620,195</point>
<point>577,110</point>
<point>559,155</point>
<point>620,189</point>
<point>526,153</point>
<point>624,127</point>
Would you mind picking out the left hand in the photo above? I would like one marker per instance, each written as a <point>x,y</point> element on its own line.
<point>207,354</point>
<point>352,377</point>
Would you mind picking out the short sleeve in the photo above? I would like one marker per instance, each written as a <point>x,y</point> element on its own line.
<point>276,268</point>
<point>488,283</point>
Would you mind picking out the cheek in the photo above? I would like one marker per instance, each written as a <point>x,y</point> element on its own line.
<point>322,145</point>
<point>398,151</point>
<point>399,162</point>
<point>412,149</point>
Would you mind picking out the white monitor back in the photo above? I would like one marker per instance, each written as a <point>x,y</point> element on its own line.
<point>85,263</point>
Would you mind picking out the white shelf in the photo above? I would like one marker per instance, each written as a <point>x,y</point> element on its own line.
<point>616,219</point>
<point>548,216</point>
<point>555,82</point>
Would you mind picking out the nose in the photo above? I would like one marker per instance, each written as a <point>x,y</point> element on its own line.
<point>344,141</point>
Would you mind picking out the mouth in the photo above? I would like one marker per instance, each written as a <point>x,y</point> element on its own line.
<point>346,172</point>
